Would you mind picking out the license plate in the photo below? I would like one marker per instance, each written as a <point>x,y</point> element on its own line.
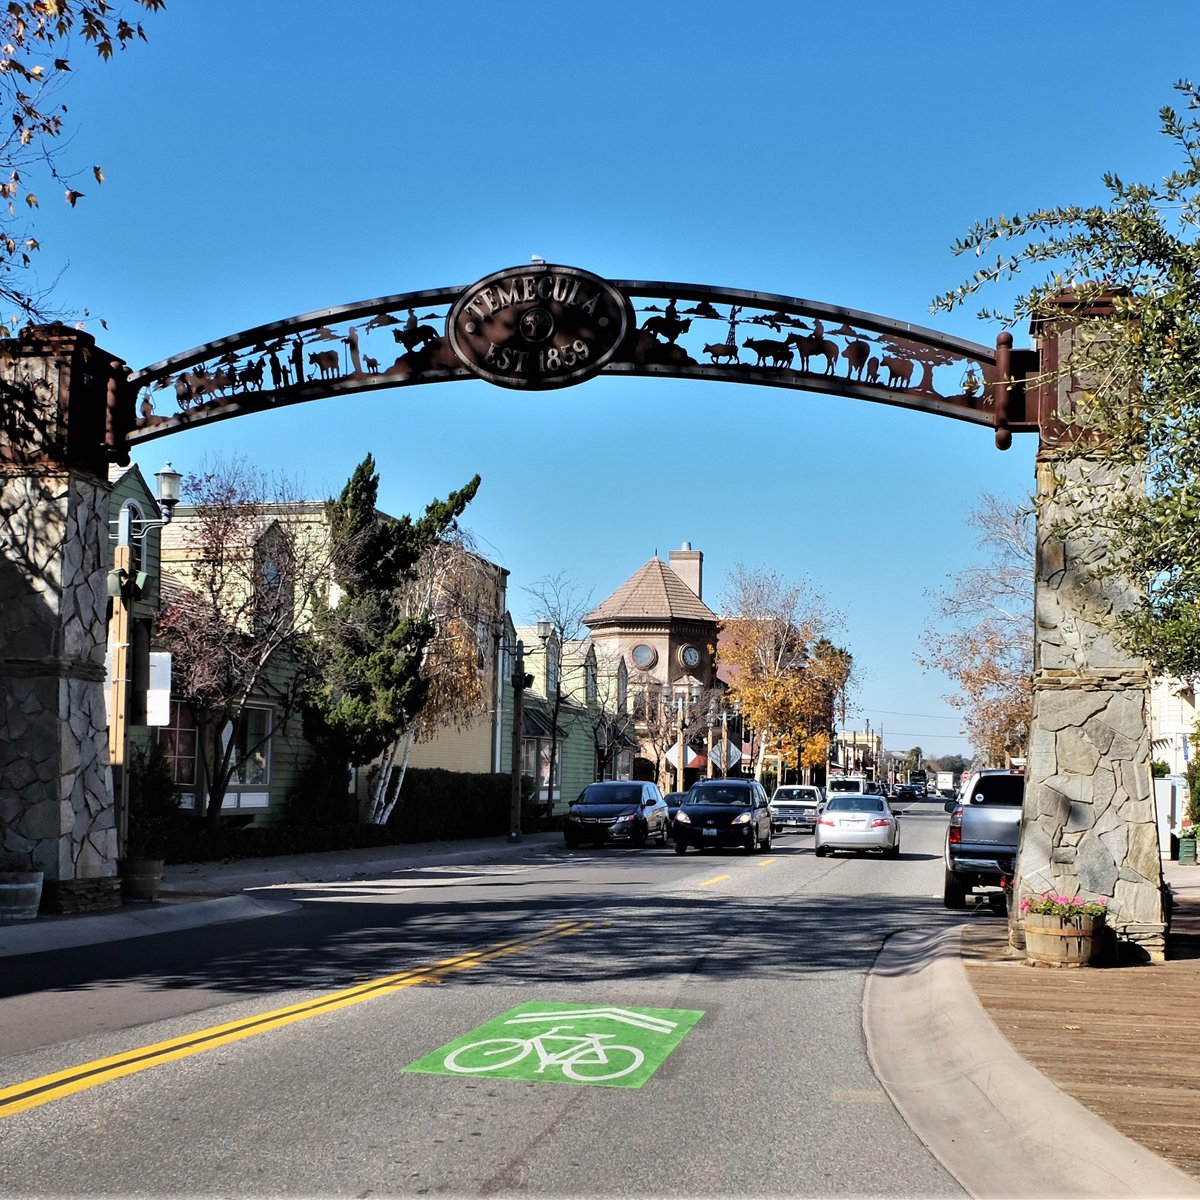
<point>709,832</point>
<point>853,824</point>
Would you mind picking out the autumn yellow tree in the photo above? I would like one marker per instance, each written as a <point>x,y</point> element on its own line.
<point>783,668</point>
<point>981,635</point>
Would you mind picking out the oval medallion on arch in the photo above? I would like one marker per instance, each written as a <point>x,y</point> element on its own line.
<point>540,326</point>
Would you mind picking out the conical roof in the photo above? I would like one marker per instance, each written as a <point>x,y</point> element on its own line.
<point>654,593</point>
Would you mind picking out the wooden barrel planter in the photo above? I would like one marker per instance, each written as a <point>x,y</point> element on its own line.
<point>20,895</point>
<point>141,878</point>
<point>1052,941</point>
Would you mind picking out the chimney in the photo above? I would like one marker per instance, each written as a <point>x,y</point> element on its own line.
<point>688,564</point>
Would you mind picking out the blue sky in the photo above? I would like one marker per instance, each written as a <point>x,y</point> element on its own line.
<point>264,160</point>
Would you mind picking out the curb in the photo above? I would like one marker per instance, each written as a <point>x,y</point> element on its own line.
<point>999,1126</point>
<point>35,937</point>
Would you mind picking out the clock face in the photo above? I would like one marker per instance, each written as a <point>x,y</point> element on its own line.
<point>643,656</point>
<point>690,656</point>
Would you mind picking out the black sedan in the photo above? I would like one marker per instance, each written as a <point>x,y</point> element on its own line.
<point>723,812</point>
<point>617,811</point>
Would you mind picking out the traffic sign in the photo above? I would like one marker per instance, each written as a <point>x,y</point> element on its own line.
<point>718,755</point>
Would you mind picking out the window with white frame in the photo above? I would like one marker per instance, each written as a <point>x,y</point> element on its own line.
<point>178,741</point>
<point>252,747</point>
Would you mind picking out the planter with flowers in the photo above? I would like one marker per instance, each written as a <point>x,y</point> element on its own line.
<point>1063,931</point>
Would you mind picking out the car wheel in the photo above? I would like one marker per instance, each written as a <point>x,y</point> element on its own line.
<point>639,838</point>
<point>894,852</point>
<point>820,851</point>
<point>752,841</point>
<point>663,834</point>
<point>766,845</point>
<point>680,847</point>
<point>954,892</point>
<point>572,844</point>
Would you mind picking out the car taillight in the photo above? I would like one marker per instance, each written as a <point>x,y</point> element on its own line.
<point>882,823</point>
<point>826,821</point>
<point>954,835</point>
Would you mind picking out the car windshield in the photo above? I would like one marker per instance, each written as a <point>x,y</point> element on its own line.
<point>621,794</point>
<point>862,804</point>
<point>720,794</point>
<point>793,794</point>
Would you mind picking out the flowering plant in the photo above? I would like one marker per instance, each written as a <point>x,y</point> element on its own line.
<point>1051,904</point>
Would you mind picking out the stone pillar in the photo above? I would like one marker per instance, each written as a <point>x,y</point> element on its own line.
<point>57,413</point>
<point>1089,824</point>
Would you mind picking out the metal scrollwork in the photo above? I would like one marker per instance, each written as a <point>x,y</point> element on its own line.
<point>684,330</point>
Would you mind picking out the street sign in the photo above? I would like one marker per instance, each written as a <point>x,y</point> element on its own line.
<point>692,758</point>
<point>718,754</point>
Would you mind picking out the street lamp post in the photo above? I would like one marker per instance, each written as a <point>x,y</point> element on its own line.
<point>680,702</point>
<point>520,681</point>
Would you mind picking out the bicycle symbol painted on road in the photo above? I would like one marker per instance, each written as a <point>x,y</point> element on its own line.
<point>566,1043</point>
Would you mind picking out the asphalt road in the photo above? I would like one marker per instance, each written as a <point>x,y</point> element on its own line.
<point>299,1086</point>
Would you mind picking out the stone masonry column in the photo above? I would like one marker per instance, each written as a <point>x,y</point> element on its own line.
<point>1089,822</point>
<point>58,405</point>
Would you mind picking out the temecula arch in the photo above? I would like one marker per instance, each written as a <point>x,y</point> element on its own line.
<point>678,330</point>
<point>69,408</point>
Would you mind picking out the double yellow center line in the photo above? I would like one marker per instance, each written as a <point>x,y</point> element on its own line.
<point>33,1092</point>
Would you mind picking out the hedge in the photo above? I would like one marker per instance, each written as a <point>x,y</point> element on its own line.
<point>435,805</point>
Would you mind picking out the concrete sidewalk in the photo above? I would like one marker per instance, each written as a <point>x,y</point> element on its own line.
<point>195,894</point>
<point>997,1123</point>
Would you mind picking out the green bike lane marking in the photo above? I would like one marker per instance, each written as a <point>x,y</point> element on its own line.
<point>604,1046</point>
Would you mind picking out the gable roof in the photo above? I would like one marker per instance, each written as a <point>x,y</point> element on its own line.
<point>653,593</point>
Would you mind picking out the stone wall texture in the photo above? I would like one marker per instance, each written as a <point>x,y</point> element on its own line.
<point>55,783</point>
<point>1089,823</point>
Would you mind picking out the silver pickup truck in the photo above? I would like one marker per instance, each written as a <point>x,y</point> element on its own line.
<point>981,839</point>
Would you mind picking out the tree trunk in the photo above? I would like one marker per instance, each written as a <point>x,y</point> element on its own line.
<point>379,790</point>
<point>398,774</point>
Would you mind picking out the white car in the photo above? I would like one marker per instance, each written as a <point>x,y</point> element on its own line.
<point>856,821</point>
<point>795,806</point>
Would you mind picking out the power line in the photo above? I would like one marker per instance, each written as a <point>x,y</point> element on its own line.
<point>890,713</point>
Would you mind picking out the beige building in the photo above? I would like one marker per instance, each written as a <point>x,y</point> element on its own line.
<point>657,623</point>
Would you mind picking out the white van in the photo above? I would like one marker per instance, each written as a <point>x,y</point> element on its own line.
<point>848,783</point>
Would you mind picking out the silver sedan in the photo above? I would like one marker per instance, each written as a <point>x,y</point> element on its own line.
<point>856,821</point>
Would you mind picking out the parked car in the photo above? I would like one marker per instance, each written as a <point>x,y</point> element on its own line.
<point>981,839</point>
<point>795,806</point>
<point>910,791</point>
<point>857,822</point>
<point>723,812</point>
<point>617,811</point>
<point>673,800</point>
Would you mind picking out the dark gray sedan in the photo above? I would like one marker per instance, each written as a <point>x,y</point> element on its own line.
<point>617,811</point>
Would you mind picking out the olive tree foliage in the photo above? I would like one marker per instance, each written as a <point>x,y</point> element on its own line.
<point>784,669</point>
<point>36,42</point>
<point>385,630</point>
<point>244,567</point>
<point>1132,265</point>
<point>981,633</point>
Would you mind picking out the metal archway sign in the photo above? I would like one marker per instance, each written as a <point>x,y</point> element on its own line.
<point>544,326</point>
